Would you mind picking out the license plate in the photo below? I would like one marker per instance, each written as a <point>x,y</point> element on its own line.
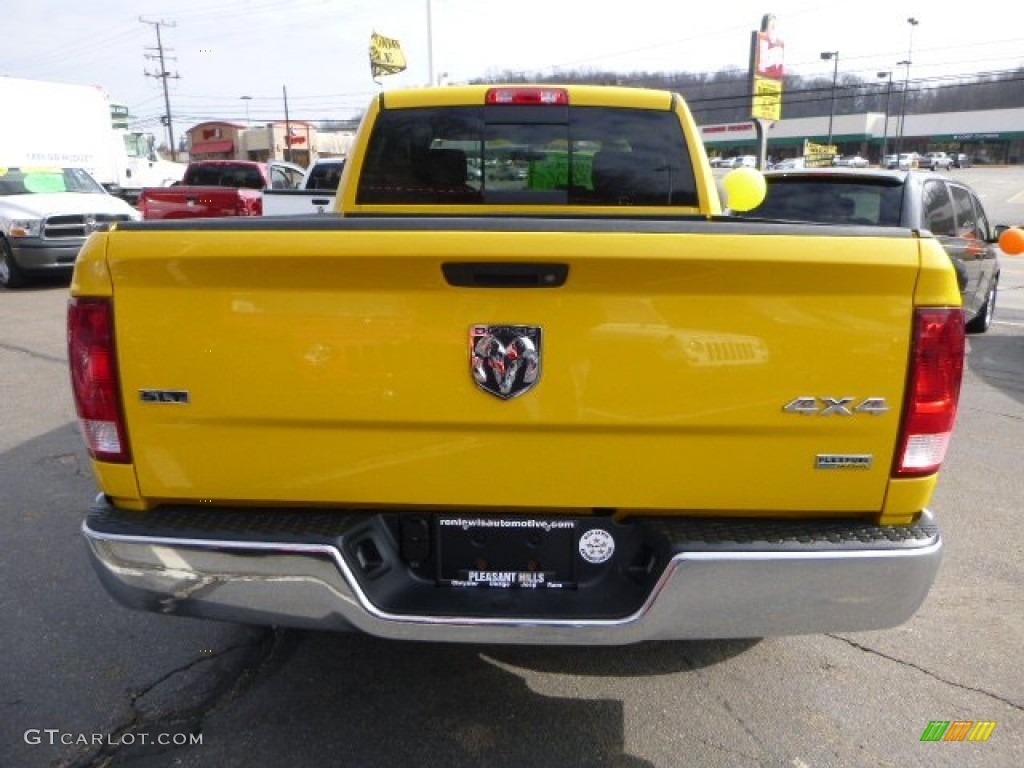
<point>506,552</point>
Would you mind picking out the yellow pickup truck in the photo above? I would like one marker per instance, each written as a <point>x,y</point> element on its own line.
<point>528,384</point>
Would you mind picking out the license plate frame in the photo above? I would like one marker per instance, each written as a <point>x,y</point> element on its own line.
<point>506,552</point>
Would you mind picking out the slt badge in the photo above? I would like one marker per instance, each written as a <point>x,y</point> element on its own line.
<point>505,359</point>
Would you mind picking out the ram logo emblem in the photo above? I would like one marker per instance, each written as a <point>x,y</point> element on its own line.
<point>505,359</point>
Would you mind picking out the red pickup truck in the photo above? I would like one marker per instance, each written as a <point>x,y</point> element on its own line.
<point>217,188</point>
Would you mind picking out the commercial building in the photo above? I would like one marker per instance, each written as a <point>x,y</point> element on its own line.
<point>296,140</point>
<point>986,136</point>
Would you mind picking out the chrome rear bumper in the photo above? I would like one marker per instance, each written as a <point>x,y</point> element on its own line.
<point>712,588</point>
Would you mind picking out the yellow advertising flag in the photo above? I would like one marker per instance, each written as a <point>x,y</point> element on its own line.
<point>386,57</point>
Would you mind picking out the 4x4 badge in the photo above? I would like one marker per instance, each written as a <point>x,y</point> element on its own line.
<point>836,406</point>
<point>505,359</point>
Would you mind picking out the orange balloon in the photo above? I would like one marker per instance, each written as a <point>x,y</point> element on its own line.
<point>1012,241</point>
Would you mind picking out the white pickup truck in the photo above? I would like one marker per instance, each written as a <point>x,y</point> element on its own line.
<point>46,214</point>
<point>314,195</point>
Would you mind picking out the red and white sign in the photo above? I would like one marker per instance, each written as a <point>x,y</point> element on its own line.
<point>768,56</point>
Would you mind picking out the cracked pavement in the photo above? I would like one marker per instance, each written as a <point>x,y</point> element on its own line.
<point>179,701</point>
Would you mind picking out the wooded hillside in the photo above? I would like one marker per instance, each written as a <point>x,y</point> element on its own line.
<point>724,97</point>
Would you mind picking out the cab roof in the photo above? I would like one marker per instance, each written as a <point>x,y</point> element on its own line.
<point>578,95</point>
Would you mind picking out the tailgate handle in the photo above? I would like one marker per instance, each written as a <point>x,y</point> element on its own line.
<point>468,274</point>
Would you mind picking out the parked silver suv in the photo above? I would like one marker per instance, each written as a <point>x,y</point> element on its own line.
<point>941,204</point>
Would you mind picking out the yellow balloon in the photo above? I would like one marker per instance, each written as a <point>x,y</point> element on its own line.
<point>744,189</point>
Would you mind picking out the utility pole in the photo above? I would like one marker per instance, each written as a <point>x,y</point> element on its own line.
<point>163,74</point>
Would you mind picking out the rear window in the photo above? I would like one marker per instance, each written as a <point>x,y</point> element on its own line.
<point>966,219</point>
<point>832,200</point>
<point>225,175</point>
<point>527,155</point>
<point>938,209</point>
<point>325,176</point>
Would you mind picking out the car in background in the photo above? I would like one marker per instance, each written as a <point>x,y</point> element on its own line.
<point>850,161</point>
<point>46,215</point>
<point>936,161</point>
<point>790,163</point>
<point>960,160</point>
<point>744,161</point>
<point>946,207</point>
<point>220,188</point>
<point>315,193</point>
<point>909,160</point>
<point>720,162</point>
<point>904,160</point>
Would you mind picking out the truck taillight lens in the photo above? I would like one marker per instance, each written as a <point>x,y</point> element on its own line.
<point>933,390</point>
<point>94,381</point>
<point>249,206</point>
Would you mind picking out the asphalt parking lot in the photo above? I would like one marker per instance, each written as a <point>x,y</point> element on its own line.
<point>89,683</point>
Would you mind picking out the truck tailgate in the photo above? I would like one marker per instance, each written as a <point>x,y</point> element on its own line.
<point>292,202</point>
<point>186,202</point>
<point>667,358</point>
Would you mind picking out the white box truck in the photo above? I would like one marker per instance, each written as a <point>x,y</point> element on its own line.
<point>57,147</point>
<point>70,126</point>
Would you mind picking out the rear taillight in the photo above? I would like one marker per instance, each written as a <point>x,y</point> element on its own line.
<point>94,381</point>
<point>249,206</point>
<point>933,390</point>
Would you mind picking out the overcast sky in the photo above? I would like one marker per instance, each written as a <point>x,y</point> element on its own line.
<point>318,49</point>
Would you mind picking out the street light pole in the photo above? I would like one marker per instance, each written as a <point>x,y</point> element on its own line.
<point>287,127</point>
<point>903,108</point>
<point>430,47</point>
<point>834,56</point>
<point>246,99</point>
<point>885,126</point>
<point>906,83</point>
